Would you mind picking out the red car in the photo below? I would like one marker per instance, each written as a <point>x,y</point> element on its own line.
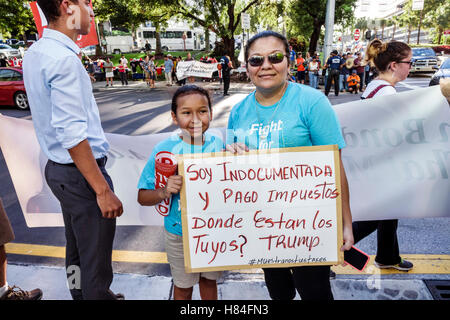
<point>12,89</point>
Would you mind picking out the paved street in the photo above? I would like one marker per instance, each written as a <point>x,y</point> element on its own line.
<point>137,110</point>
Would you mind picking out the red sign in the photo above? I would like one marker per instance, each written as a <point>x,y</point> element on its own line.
<point>41,23</point>
<point>356,34</point>
<point>447,31</point>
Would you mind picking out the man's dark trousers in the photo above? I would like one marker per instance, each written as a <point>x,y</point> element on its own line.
<point>226,82</point>
<point>89,236</point>
<point>334,74</point>
<point>387,243</point>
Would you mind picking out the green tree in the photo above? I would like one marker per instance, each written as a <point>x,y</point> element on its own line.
<point>438,19</point>
<point>223,17</point>
<point>131,13</point>
<point>310,16</point>
<point>16,18</point>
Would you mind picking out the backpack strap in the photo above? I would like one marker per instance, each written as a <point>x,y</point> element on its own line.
<point>374,92</point>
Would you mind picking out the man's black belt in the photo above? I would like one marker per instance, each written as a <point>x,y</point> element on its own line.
<point>100,161</point>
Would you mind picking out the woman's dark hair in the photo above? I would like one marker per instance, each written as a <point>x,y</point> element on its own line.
<point>187,90</point>
<point>265,34</point>
<point>50,8</point>
<point>381,54</point>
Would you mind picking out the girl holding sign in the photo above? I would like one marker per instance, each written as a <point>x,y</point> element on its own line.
<point>281,114</point>
<point>191,112</point>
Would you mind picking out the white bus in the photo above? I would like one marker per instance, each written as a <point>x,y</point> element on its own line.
<point>173,38</point>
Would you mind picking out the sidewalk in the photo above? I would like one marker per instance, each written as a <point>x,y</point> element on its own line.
<point>233,286</point>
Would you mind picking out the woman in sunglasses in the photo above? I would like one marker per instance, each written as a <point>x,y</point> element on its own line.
<point>282,114</point>
<point>393,62</point>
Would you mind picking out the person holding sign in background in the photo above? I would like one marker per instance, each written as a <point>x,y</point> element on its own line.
<point>393,62</point>
<point>191,112</point>
<point>282,114</point>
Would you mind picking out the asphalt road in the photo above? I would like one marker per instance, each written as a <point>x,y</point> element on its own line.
<point>143,111</point>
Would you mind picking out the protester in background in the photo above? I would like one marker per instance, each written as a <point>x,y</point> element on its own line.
<point>344,73</point>
<point>146,66</point>
<point>134,64</point>
<point>393,61</point>
<point>226,66</point>
<point>359,67</point>
<point>90,68</point>
<point>335,63</point>
<point>168,68</point>
<point>153,73</point>
<point>353,81</point>
<point>68,127</point>
<point>314,68</point>
<point>366,74</point>
<point>305,118</point>
<point>292,57</point>
<point>147,47</point>
<point>3,62</point>
<point>189,58</point>
<point>124,61</point>
<point>181,82</point>
<point>174,70</point>
<point>7,292</point>
<point>108,66</point>
<point>191,106</point>
<point>300,68</point>
<point>123,72</point>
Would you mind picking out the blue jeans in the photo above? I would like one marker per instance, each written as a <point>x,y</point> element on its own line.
<point>345,81</point>
<point>341,84</point>
<point>313,80</point>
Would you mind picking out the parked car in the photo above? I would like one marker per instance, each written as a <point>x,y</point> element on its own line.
<point>443,72</point>
<point>8,52</point>
<point>424,60</point>
<point>12,88</point>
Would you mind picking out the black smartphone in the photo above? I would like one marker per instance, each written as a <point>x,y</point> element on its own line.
<point>356,258</point>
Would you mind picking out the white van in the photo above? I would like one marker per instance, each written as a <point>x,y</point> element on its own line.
<point>173,39</point>
<point>119,44</point>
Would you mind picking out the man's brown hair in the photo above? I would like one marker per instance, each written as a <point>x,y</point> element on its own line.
<point>50,8</point>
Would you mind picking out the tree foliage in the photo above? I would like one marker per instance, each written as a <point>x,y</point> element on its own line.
<point>309,16</point>
<point>16,18</point>
<point>223,17</point>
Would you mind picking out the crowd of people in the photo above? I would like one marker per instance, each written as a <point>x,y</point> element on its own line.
<point>348,71</point>
<point>147,68</point>
<point>13,62</point>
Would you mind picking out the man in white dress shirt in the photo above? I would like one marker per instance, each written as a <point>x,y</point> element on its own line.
<point>69,131</point>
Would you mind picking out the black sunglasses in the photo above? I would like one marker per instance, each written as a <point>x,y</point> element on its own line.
<point>410,62</point>
<point>274,58</point>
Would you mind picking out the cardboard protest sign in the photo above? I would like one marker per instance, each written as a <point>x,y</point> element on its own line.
<point>41,23</point>
<point>261,209</point>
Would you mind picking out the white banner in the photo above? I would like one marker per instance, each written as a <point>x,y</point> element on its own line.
<point>397,158</point>
<point>195,69</point>
<point>397,161</point>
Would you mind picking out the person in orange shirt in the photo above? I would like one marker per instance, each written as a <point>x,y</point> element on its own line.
<point>353,81</point>
<point>300,68</point>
